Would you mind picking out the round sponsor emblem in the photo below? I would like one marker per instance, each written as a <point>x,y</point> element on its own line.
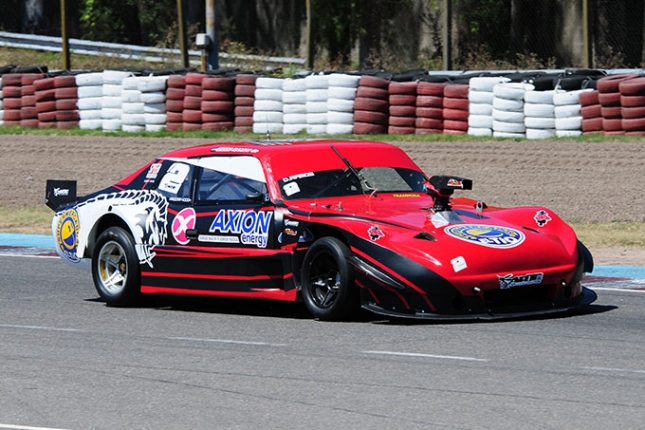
<point>67,234</point>
<point>487,235</point>
<point>184,220</point>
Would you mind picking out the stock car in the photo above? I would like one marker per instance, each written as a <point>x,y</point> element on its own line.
<point>336,224</point>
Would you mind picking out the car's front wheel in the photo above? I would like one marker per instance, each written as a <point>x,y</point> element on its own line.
<point>327,280</point>
<point>115,268</point>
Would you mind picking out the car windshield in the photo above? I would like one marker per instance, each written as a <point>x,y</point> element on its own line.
<point>344,182</point>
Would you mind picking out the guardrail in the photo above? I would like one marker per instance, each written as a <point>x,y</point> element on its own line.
<point>144,53</point>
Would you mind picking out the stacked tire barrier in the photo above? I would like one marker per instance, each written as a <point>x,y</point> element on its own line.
<point>532,105</point>
<point>341,96</point>
<point>591,112</point>
<point>317,95</point>
<point>90,100</point>
<point>429,108</point>
<point>539,114</point>
<point>402,97</point>
<point>632,101</point>
<point>455,109</point>
<point>267,107</point>
<point>244,98</point>
<point>371,106</point>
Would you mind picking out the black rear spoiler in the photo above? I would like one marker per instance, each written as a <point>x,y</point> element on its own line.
<point>59,193</point>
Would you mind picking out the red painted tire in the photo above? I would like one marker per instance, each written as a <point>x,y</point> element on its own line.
<point>49,116</point>
<point>45,95</point>
<point>451,124</point>
<point>453,131</point>
<point>243,129</point>
<point>10,92</point>
<point>174,116</point>
<point>457,91</point>
<point>632,101</point>
<point>592,124</point>
<point>29,123</point>
<point>243,121</point>
<point>246,79</point>
<point>65,125</point>
<point>11,115</point>
<point>373,81</point>
<point>588,98</point>
<point>218,126</point>
<point>67,115</point>
<point>402,121</point>
<point>51,124</point>
<point>429,123</point>
<point>429,112</point>
<point>175,93</point>
<point>609,99</point>
<point>194,78</point>
<point>191,115</point>
<point>176,81</point>
<point>370,117</point>
<point>612,124</point>
<point>244,101</point>
<point>369,128</point>
<point>216,117</point>
<point>192,103</point>
<point>191,126</point>
<point>403,111</point>
<point>244,90</point>
<point>28,101</point>
<point>372,92</point>
<point>217,107</point>
<point>430,101</point>
<point>173,126</point>
<point>452,103</point>
<point>456,114</point>
<point>401,88</point>
<point>632,87</point>
<point>610,84</point>
<point>428,131</point>
<point>64,81</point>
<point>12,80</point>
<point>193,90</point>
<point>66,104</point>
<point>430,89</point>
<point>67,93</point>
<point>27,90</point>
<point>28,112</point>
<point>366,103</point>
<point>400,130</point>
<point>243,111</point>
<point>635,133</point>
<point>13,103</point>
<point>219,84</point>
<point>44,106</point>
<point>614,133</point>
<point>30,78</point>
<point>174,105</point>
<point>44,84</point>
<point>611,112</point>
<point>217,96</point>
<point>402,100</point>
<point>591,111</point>
<point>632,112</point>
<point>633,124</point>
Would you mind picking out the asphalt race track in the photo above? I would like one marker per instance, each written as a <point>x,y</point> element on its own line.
<point>69,362</point>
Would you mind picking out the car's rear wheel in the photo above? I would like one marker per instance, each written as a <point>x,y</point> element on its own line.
<point>115,268</point>
<point>327,280</point>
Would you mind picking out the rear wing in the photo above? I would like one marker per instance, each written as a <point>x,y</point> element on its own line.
<point>59,193</point>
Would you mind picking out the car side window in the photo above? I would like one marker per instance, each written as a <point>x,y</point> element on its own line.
<point>175,181</point>
<point>230,179</point>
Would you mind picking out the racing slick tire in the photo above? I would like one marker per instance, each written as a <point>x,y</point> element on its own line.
<point>115,268</point>
<point>328,288</point>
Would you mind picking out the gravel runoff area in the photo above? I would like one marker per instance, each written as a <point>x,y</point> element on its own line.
<point>580,181</point>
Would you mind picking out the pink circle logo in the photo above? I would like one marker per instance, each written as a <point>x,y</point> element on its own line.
<point>184,220</point>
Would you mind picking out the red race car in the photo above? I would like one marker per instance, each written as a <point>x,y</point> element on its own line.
<point>337,224</point>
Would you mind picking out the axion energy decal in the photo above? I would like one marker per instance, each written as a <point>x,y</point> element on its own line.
<point>487,235</point>
<point>250,227</point>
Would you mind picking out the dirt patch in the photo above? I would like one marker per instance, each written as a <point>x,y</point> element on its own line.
<point>581,181</point>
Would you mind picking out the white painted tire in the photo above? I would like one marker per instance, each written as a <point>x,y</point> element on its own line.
<point>317,95</point>
<point>317,82</point>
<point>131,108</point>
<point>133,128</point>
<point>541,97</point>
<point>155,128</point>
<point>90,91</point>
<point>90,114</point>
<point>343,93</point>
<point>269,83</point>
<point>569,123</point>
<point>480,97</point>
<point>112,124</point>
<point>153,97</point>
<point>339,128</point>
<point>268,94</point>
<point>111,114</point>
<point>509,135</point>
<point>509,105</point>
<point>130,83</point>
<point>566,111</point>
<point>89,80</point>
<point>268,127</point>
<point>294,85</point>
<point>509,127</point>
<point>154,108</point>
<point>340,105</point>
<point>539,110</point>
<point>486,83</point>
<point>568,133</point>
<point>480,108</point>
<point>294,118</point>
<point>90,103</point>
<point>267,116</point>
<point>475,131</point>
<point>155,118</point>
<point>294,128</point>
<point>131,96</point>
<point>112,90</point>
<point>317,118</point>
<point>343,118</point>
<point>134,119</point>
<point>508,116</point>
<point>316,129</point>
<point>267,105</point>
<point>90,124</point>
<point>296,97</point>
<point>539,133</point>
<point>316,107</point>
<point>480,121</point>
<point>288,108</point>
<point>112,102</point>
<point>561,98</point>
<point>114,77</point>
<point>511,90</point>
<point>149,84</point>
<point>539,122</point>
<point>343,80</point>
